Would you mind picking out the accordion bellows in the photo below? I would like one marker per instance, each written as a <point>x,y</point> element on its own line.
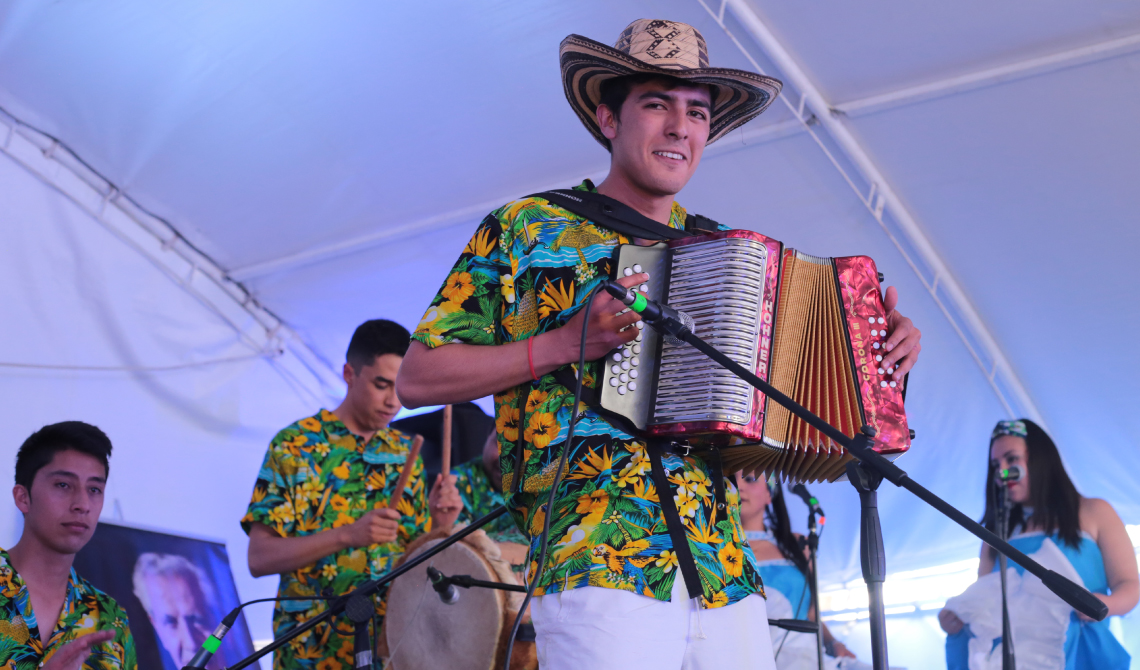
<point>810,326</point>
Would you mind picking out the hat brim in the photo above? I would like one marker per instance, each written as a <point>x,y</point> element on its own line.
<point>740,96</point>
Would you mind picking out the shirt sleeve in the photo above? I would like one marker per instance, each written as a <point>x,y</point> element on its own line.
<point>272,502</point>
<point>468,308</point>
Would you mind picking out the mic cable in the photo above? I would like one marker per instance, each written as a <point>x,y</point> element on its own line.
<point>212,643</point>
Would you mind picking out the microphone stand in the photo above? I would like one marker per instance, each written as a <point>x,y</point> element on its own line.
<point>866,472</point>
<point>813,546</point>
<point>1007,659</point>
<point>364,593</point>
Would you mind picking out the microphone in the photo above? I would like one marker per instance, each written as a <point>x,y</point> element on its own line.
<point>448,594</point>
<point>211,644</point>
<point>360,610</point>
<point>672,323</point>
<point>811,501</point>
<point>1009,475</point>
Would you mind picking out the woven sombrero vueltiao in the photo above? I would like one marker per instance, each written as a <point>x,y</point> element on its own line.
<point>668,48</point>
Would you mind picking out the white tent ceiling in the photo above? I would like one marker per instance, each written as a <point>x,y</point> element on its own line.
<point>334,158</point>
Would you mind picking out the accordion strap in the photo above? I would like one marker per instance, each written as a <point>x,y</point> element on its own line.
<point>685,561</point>
<point>622,218</point>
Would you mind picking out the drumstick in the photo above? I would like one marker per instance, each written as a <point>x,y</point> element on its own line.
<point>406,471</point>
<point>445,454</point>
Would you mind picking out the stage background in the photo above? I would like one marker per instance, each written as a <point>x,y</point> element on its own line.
<point>250,182</point>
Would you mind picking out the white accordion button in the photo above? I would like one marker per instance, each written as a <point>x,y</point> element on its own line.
<point>638,338</point>
<point>633,374</point>
<point>645,288</point>
<point>613,381</point>
<point>878,358</point>
<point>894,384</point>
<point>872,321</point>
<point>637,348</point>
<point>883,384</point>
<point>876,345</point>
<point>634,361</point>
<point>621,390</point>
<point>616,369</point>
<point>624,366</point>
<point>633,386</point>
<point>624,377</point>
<point>617,355</point>
<point>881,371</point>
<point>881,320</point>
<point>627,272</point>
<point>636,267</point>
<point>640,325</point>
<point>890,370</point>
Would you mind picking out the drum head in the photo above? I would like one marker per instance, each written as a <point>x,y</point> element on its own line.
<point>424,634</point>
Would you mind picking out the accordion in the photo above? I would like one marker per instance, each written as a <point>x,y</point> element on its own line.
<point>811,327</point>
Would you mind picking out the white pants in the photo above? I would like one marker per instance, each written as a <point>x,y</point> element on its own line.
<point>594,628</point>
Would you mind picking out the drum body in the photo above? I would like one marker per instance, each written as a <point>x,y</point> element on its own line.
<point>422,633</point>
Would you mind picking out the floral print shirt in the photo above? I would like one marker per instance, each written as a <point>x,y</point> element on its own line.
<point>480,497</point>
<point>528,269</point>
<point>85,611</point>
<point>317,476</point>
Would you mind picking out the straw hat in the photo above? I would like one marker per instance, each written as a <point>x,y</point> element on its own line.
<point>666,48</point>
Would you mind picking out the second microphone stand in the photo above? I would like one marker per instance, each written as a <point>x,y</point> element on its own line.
<point>865,475</point>
<point>1003,505</point>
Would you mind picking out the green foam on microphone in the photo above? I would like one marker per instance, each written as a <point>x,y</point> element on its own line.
<point>211,644</point>
<point>639,303</point>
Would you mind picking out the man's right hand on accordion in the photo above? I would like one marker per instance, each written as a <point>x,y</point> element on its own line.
<point>903,344</point>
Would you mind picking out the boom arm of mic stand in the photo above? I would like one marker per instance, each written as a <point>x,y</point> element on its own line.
<point>367,589</point>
<point>1079,598</point>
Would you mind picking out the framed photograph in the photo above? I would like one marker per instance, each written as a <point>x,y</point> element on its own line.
<point>175,589</point>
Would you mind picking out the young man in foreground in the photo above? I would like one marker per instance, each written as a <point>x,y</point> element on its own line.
<point>319,515</point>
<point>509,315</point>
<point>50,617</point>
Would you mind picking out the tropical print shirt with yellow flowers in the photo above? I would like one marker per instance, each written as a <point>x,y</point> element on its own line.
<point>528,269</point>
<point>86,610</point>
<point>317,476</point>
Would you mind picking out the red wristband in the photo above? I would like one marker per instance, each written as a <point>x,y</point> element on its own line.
<point>530,357</point>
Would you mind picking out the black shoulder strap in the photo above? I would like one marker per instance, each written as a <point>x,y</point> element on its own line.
<point>622,218</point>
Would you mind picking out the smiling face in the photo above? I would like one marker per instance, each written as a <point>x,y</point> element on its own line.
<point>754,497</point>
<point>1009,450</point>
<point>372,391</point>
<point>64,502</point>
<point>659,135</point>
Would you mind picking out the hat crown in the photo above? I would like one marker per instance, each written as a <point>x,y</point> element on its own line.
<point>670,45</point>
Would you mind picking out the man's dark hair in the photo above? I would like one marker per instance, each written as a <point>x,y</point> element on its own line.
<point>42,446</point>
<point>376,338</point>
<point>615,90</point>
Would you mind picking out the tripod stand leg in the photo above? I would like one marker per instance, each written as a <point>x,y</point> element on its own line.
<point>871,556</point>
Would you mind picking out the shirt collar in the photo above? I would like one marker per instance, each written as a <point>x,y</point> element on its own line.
<point>676,217</point>
<point>332,425</point>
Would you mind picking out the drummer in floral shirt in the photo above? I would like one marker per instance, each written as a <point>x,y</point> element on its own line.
<point>509,318</point>
<point>319,513</point>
